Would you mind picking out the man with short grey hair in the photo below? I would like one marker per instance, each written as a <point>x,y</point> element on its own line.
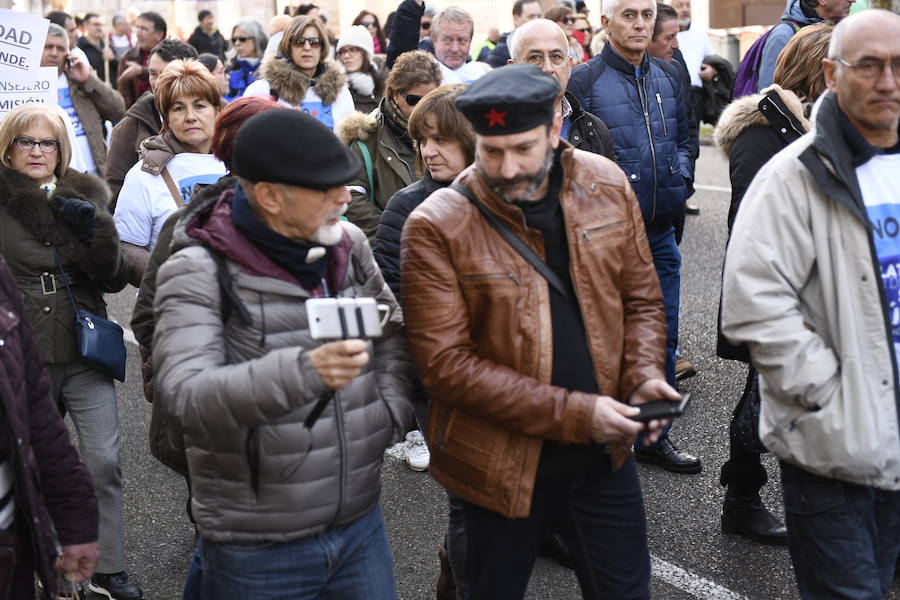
<point>811,286</point>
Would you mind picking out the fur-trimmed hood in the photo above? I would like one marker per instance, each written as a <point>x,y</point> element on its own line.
<point>745,112</point>
<point>98,258</point>
<point>289,84</point>
<point>357,126</point>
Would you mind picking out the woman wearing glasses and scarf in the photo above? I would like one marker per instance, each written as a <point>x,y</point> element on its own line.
<point>381,141</point>
<point>365,73</point>
<point>304,76</point>
<point>52,218</point>
<point>248,43</point>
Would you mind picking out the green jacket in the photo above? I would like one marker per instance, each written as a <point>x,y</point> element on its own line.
<point>393,167</point>
<point>31,230</point>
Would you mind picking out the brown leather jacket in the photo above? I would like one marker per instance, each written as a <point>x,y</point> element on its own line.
<point>478,323</point>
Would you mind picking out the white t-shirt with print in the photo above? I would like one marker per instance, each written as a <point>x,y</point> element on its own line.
<point>879,182</point>
<point>145,201</point>
<point>65,102</point>
<point>329,115</point>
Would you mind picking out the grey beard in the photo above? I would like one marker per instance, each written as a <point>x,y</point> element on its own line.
<point>497,184</point>
<point>328,235</point>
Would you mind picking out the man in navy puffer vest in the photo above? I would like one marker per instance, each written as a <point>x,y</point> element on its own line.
<point>643,104</point>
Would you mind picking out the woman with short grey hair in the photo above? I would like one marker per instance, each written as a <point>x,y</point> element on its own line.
<point>248,44</point>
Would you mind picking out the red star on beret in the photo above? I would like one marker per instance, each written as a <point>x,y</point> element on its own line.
<point>496,117</point>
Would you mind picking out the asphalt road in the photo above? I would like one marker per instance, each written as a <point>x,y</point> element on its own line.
<point>691,557</point>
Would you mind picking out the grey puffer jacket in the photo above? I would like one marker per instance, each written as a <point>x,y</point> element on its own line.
<point>240,393</point>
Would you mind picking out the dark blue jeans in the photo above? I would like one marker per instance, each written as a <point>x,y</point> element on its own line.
<point>667,260</point>
<point>843,538</point>
<point>350,562</point>
<point>599,514</point>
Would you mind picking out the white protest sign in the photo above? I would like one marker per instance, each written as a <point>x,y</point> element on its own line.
<point>21,40</point>
<point>21,87</point>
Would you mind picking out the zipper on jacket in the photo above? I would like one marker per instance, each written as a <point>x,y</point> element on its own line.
<point>642,93</point>
<point>511,276</point>
<point>586,233</point>
<point>342,467</point>
<point>662,114</point>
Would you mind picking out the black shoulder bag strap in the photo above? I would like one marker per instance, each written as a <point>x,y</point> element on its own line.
<point>518,245</point>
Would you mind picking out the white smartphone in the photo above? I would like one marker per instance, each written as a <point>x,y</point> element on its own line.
<point>344,318</point>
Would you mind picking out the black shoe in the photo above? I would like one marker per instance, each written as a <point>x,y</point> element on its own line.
<point>691,209</point>
<point>115,586</point>
<point>445,589</point>
<point>554,547</point>
<point>670,458</point>
<point>748,517</point>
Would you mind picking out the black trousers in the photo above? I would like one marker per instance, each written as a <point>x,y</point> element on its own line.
<point>743,472</point>
<point>598,512</point>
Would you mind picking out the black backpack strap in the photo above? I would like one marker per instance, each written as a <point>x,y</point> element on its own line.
<point>229,297</point>
<point>518,245</point>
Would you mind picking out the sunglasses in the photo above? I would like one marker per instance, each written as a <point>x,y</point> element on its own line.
<point>425,25</point>
<point>568,20</point>
<point>585,30</point>
<point>368,23</point>
<point>412,99</point>
<point>235,40</point>
<point>314,42</point>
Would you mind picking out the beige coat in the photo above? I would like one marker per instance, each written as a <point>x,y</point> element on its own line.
<point>96,102</point>
<point>802,288</point>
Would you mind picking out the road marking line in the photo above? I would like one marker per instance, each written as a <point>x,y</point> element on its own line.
<point>712,188</point>
<point>686,581</point>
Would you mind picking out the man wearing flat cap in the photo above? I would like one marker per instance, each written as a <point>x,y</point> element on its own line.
<point>284,435</point>
<point>531,362</point>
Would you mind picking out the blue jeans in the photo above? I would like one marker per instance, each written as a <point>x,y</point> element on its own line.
<point>843,538</point>
<point>349,562</point>
<point>667,260</point>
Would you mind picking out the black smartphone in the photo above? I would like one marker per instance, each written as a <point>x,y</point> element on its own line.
<point>662,409</point>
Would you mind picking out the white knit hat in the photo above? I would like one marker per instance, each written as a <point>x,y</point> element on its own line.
<point>360,37</point>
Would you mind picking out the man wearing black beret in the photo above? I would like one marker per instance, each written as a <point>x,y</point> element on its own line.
<point>535,318</point>
<point>283,435</point>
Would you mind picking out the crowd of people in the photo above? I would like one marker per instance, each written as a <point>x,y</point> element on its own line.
<point>511,211</point>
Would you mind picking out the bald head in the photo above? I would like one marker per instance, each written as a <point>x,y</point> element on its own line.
<point>278,23</point>
<point>863,70</point>
<point>544,44</point>
<point>536,29</point>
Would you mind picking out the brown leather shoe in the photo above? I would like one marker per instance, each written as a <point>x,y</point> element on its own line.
<point>684,368</point>
<point>446,586</point>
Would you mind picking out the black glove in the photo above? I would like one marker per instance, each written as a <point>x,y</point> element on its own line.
<point>80,215</point>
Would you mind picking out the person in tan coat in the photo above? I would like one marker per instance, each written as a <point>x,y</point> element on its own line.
<point>530,366</point>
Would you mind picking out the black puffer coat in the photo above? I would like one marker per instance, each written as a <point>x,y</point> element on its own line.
<point>387,237</point>
<point>53,490</point>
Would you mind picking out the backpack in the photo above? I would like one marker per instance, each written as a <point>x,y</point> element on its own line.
<point>747,76</point>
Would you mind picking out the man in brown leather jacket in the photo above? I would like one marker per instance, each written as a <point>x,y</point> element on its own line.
<point>529,380</point>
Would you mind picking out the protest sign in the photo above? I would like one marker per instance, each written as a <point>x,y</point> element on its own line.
<point>21,87</point>
<point>21,41</point>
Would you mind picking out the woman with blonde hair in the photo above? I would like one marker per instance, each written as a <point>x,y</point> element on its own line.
<point>750,132</point>
<point>59,239</point>
<point>304,75</point>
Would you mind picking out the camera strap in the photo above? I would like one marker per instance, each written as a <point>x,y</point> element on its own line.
<point>518,245</point>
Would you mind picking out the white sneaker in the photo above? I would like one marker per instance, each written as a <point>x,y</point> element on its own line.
<point>417,454</point>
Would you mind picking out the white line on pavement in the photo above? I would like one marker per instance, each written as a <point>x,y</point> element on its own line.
<point>712,188</point>
<point>696,586</point>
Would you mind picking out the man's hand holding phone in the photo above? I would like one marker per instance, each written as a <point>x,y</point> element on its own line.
<point>653,390</point>
<point>339,363</point>
<point>77,68</point>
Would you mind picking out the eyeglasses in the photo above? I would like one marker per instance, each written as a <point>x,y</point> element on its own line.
<point>368,23</point>
<point>412,99</point>
<point>871,68</point>
<point>349,50</point>
<point>568,20</point>
<point>314,42</point>
<point>585,30</point>
<point>235,40</point>
<point>425,25</point>
<point>26,144</point>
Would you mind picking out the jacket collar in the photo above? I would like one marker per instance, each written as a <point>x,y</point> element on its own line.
<point>612,57</point>
<point>510,213</point>
<point>158,150</point>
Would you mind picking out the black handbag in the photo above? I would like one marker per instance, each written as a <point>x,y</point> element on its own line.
<point>100,342</point>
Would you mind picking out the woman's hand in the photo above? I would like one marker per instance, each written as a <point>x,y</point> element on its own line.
<point>79,215</point>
